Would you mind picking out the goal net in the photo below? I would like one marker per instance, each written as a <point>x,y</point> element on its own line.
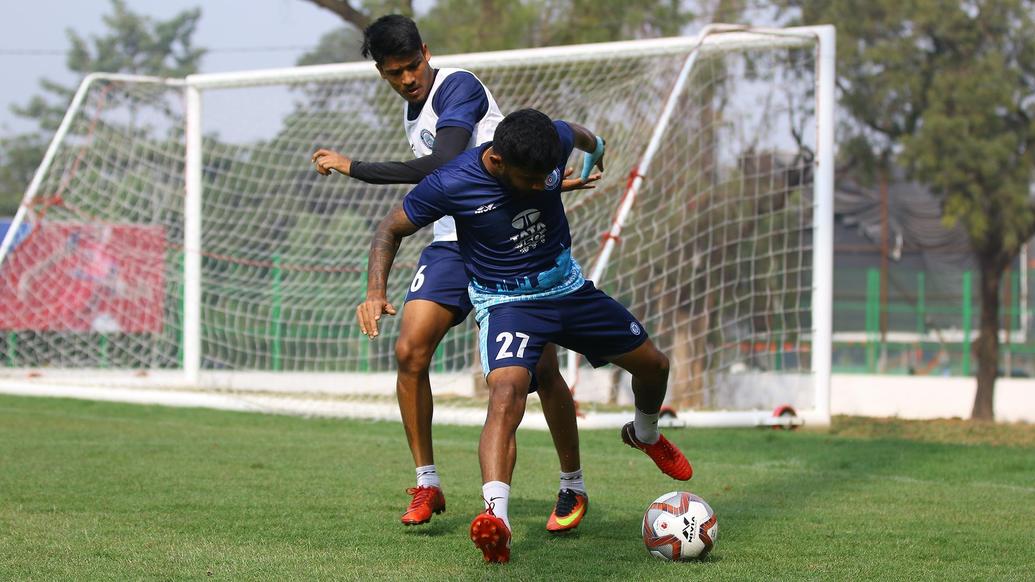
<point>176,238</point>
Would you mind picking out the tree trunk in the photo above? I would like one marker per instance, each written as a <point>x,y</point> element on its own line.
<point>987,345</point>
<point>347,12</point>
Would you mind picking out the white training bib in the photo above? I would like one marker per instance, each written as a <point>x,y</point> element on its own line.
<point>420,133</point>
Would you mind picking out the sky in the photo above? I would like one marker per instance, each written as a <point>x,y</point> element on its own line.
<point>225,24</point>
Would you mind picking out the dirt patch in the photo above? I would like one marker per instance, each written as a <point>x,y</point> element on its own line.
<point>954,430</point>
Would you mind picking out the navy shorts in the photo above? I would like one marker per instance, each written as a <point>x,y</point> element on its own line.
<point>587,321</point>
<point>441,277</point>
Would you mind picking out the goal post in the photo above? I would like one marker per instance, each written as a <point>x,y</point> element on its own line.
<point>175,237</point>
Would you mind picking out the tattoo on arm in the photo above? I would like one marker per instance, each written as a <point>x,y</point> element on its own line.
<point>387,238</point>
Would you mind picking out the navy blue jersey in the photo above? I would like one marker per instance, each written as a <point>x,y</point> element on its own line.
<point>512,244</point>
<point>460,101</point>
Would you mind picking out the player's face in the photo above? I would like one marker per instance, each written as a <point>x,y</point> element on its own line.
<point>411,76</point>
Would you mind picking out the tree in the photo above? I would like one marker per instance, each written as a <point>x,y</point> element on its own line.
<point>948,90</point>
<point>133,43</point>
<point>453,26</point>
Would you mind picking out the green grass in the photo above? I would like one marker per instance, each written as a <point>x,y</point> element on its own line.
<point>109,491</point>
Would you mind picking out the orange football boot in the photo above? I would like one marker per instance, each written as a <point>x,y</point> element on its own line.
<point>568,513</point>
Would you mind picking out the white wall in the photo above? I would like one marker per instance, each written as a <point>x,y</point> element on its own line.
<point>913,397</point>
<point>921,397</point>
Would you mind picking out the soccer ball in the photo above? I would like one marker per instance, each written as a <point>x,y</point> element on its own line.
<point>679,526</point>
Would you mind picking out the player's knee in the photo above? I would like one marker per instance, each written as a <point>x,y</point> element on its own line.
<point>508,394</point>
<point>657,367</point>
<point>412,357</point>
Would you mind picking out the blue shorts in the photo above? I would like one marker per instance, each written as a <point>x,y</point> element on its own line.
<point>587,321</point>
<point>441,277</point>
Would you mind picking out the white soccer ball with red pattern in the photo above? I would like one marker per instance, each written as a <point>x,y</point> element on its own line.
<point>680,526</point>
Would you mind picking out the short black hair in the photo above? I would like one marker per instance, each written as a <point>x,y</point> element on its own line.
<point>393,35</point>
<point>528,139</point>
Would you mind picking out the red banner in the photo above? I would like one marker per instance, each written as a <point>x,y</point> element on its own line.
<point>106,278</point>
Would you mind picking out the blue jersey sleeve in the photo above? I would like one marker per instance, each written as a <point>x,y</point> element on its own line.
<point>427,202</point>
<point>460,102</point>
<point>567,139</point>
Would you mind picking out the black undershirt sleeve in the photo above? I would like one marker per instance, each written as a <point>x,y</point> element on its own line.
<point>449,142</point>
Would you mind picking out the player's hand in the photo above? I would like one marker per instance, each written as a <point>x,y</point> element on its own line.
<point>369,313</point>
<point>327,160</point>
<point>569,183</point>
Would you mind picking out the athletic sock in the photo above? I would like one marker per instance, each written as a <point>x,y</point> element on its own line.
<point>496,495</point>
<point>427,476</point>
<point>573,481</point>
<point>646,427</point>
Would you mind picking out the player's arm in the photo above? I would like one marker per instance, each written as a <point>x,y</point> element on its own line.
<point>425,204</point>
<point>593,146</point>
<point>449,142</point>
<point>387,238</point>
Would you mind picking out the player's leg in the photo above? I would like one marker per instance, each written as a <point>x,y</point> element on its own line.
<point>511,340</point>
<point>437,300</point>
<point>497,449</point>
<point>424,324</point>
<point>559,410</point>
<point>497,454</point>
<point>604,330</point>
<point>649,368</point>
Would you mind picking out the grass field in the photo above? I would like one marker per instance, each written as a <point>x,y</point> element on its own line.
<point>108,491</point>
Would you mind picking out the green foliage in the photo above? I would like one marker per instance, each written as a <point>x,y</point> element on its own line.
<point>458,26</point>
<point>482,25</point>
<point>19,156</point>
<point>947,89</point>
<point>136,44</point>
<point>341,45</point>
<point>132,43</point>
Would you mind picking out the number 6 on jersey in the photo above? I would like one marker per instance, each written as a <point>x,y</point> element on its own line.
<point>418,279</point>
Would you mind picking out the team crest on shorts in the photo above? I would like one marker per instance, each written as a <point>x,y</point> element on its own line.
<point>427,137</point>
<point>635,328</point>
<point>553,178</point>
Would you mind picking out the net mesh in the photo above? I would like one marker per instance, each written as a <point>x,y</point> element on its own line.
<point>715,258</point>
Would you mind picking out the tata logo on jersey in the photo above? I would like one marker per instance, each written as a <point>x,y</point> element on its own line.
<point>533,232</point>
<point>553,179</point>
<point>525,218</point>
<point>427,138</point>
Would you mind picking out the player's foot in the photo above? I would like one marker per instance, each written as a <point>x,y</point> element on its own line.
<point>568,513</point>
<point>665,455</point>
<point>492,537</point>
<point>426,500</point>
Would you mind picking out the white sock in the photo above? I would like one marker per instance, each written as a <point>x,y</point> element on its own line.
<point>646,427</point>
<point>497,494</point>
<point>427,476</point>
<point>573,481</point>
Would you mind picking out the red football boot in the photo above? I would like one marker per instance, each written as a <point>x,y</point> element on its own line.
<point>492,537</point>
<point>426,500</point>
<point>665,455</point>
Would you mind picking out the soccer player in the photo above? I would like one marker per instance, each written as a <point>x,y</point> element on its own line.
<point>447,111</point>
<point>527,291</point>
